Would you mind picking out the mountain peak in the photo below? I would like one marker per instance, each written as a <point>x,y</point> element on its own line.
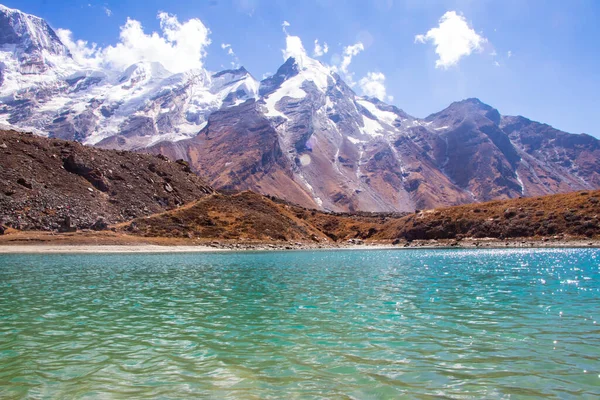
<point>302,68</point>
<point>31,41</point>
<point>473,103</point>
<point>287,70</point>
<point>470,107</point>
<point>235,85</point>
<point>7,10</point>
<point>472,100</point>
<point>143,71</point>
<point>236,72</point>
<point>29,33</point>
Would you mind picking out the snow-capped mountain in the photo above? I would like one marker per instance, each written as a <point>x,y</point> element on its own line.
<point>302,134</point>
<point>31,46</point>
<point>310,139</point>
<point>45,90</point>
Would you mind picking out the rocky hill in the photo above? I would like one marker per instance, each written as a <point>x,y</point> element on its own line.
<point>572,214</point>
<point>249,216</point>
<point>301,134</point>
<point>45,181</point>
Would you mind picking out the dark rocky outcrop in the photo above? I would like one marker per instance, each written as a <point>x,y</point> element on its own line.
<point>100,224</point>
<point>45,182</point>
<point>91,174</point>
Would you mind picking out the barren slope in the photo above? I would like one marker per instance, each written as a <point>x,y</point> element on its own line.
<point>43,181</point>
<point>250,216</point>
<point>575,214</point>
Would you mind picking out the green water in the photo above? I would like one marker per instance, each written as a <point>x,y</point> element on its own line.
<point>335,324</point>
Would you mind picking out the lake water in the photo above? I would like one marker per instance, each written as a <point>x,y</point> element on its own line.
<point>327,324</point>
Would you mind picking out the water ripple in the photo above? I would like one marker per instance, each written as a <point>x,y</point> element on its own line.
<point>342,324</point>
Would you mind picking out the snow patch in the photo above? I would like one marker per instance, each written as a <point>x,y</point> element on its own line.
<point>520,182</point>
<point>167,137</point>
<point>384,116</point>
<point>310,70</point>
<point>354,140</point>
<point>371,127</point>
<point>289,88</point>
<point>328,103</point>
<point>316,198</point>
<point>398,158</point>
<point>358,171</point>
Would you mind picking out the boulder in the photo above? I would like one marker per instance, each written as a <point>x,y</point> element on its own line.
<point>67,225</point>
<point>100,224</point>
<point>91,174</point>
<point>25,183</point>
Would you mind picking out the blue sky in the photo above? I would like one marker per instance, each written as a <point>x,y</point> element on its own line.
<point>540,59</point>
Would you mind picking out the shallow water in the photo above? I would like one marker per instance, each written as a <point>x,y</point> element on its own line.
<point>329,324</point>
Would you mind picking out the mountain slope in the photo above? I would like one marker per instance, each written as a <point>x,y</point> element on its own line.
<point>248,216</point>
<point>50,184</point>
<point>342,151</point>
<point>43,181</point>
<point>575,214</point>
<point>347,153</point>
<point>551,160</point>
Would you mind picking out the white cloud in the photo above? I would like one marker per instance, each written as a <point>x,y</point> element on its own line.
<point>179,47</point>
<point>453,39</point>
<point>509,54</point>
<point>236,62</point>
<point>293,48</point>
<point>496,64</point>
<point>320,50</point>
<point>82,52</point>
<point>373,85</point>
<point>349,52</point>
<point>108,11</point>
<point>228,47</point>
<point>293,45</point>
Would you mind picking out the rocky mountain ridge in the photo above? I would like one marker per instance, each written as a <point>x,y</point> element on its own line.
<point>302,134</point>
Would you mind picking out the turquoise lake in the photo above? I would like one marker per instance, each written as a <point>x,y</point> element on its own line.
<point>378,324</point>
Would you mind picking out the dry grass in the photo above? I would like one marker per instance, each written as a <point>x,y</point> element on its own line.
<point>251,218</point>
<point>575,214</point>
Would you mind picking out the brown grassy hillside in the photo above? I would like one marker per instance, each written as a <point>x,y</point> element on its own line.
<point>250,216</point>
<point>575,214</point>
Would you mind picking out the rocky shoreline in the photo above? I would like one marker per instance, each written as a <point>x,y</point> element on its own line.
<point>90,242</point>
